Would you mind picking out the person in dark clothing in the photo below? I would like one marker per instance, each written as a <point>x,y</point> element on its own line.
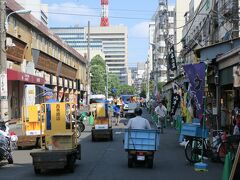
<point>48,97</point>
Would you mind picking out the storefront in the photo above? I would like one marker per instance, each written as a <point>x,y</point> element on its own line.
<point>16,90</point>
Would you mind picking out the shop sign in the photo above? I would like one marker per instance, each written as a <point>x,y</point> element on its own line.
<point>68,72</point>
<point>47,78</point>
<point>16,52</point>
<point>70,84</point>
<point>236,76</point>
<point>60,82</point>
<point>54,80</point>
<point>30,93</point>
<point>74,85</point>
<point>47,63</point>
<point>3,83</point>
<point>65,83</point>
<point>81,87</point>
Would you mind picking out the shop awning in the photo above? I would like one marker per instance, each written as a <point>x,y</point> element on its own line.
<point>13,75</point>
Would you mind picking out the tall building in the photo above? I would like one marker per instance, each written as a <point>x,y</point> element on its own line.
<point>77,38</point>
<point>150,47</point>
<point>38,10</point>
<point>182,7</point>
<point>110,41</point>
<point>196,32</point>
<point>140,76</point>
<point>160,37</point>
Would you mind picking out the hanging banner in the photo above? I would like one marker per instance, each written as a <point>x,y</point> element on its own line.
<point>174,103</point>
<point>236,76</point>
<point>172,59</point>
<point>175,88</point>
<point>196,75</point>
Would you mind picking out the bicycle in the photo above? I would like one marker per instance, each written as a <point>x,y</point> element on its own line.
<point>217,150</point>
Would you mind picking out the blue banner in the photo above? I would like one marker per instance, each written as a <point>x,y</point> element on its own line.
<point>196,75</point>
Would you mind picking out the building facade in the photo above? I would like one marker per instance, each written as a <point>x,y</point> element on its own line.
<point>38,10</point>
<point>110,41</point>
<point>37,57</point>
<point>163,37</point>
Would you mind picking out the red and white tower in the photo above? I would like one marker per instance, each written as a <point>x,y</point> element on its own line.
<point>104,14</point>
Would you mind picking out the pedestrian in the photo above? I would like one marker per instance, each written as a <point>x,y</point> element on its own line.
<point>48,98</point>
<point>236,130</point>
<point>161,111</point>
<point>235,114</point>
<point>138,122</point>
<point>116,109</point>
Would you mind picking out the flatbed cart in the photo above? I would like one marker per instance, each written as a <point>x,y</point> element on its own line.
<point>102,127</point>
<point>61,148</point>
<point>141,145</point>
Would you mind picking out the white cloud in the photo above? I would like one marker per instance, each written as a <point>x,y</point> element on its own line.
<point>139,30</point>
<point>71,14</point>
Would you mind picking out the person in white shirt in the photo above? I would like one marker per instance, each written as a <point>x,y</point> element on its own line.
<point>138,122</point>
<point>161,111</point>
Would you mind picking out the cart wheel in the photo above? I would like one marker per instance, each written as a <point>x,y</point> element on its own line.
<point>79,151</point>
<point>193,150</point>
<point>37,171</point>
<point>93,138</point>
<point>111,136</point>
<point>10,159</point>
<point>82,127</point>
<point>78,132</point>
<point>150,163</point>
<point>71,163</point>
<point>130,162</point>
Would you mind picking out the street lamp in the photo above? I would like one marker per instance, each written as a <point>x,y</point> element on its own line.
<point>23,11</point>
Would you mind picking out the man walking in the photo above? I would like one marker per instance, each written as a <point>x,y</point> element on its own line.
<point>161,111</point>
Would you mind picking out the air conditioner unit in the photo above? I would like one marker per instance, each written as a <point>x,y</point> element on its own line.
<point>9,42</point>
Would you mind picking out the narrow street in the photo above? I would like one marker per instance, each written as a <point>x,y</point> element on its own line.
<point>107,160</point>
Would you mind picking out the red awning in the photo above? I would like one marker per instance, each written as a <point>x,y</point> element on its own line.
<point>13,75</point>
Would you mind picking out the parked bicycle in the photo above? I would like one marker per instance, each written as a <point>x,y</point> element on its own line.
<point>217,150</point>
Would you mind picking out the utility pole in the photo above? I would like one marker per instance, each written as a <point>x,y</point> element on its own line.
<point>107,81</point>
<point>147,96</point>
<point>88,66</point>
<point>3,64</point>
<point>166,35</point>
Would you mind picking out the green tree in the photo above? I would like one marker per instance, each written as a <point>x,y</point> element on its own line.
<point>143,90</point>
<point>113,82</point>
<point>126,89</point>
<point>98,71</point>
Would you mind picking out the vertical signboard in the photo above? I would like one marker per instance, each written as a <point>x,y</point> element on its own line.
<point>3,86</point>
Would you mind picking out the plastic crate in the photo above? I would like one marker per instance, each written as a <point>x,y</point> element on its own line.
<point>146,140</point>
<point>194,130</point>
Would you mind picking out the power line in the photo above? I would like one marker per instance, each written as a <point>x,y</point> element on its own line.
<point>96,8</point>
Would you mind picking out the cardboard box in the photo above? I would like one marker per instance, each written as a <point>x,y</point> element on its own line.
<point>62,142</point>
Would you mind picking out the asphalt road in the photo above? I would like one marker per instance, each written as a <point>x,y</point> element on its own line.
<point>107,160</point>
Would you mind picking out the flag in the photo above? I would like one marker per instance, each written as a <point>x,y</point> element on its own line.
<point>172,59</point>
<point>174,103</point>
<point>196,75</point>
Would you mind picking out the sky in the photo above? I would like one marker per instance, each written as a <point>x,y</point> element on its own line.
<point>135,14</point>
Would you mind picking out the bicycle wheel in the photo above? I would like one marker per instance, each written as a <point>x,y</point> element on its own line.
<point>193,150</point>
<point>223,149</point>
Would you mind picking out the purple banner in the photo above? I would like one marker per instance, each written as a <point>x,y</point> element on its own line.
<point>196,75</point>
